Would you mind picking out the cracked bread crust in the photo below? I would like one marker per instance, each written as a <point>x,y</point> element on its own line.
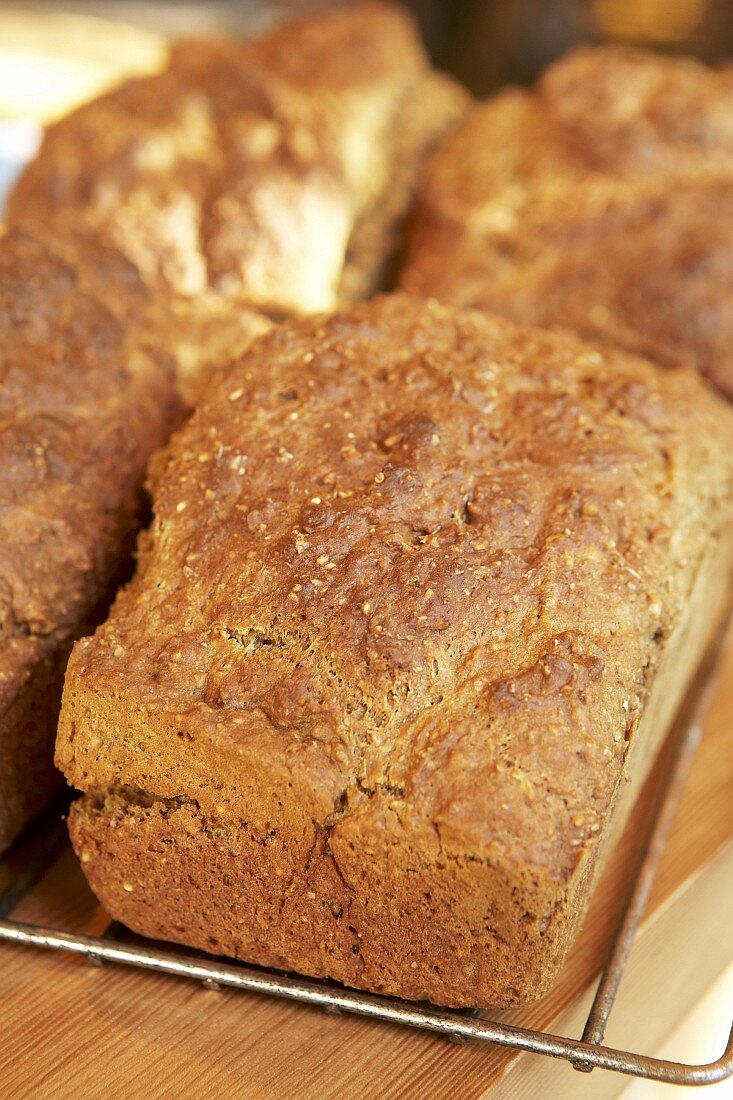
<point>81,410</point>
<point>267,171</point>
<point>364,709</point>
<point>602,201</point>
<point>193,335</point>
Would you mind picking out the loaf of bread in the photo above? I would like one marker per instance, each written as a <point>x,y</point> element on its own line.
<point>601,202</point>
<point>82,410</point>
<point>94,374</point>
<point>422,588</point>
<point>273,172</point>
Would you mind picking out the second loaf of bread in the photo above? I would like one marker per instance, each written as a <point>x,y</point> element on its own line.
<point>601,201</point>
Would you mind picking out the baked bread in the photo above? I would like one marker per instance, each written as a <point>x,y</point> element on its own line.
<point>94,374</point>
<point>197,334</point>
<point>200,333</point>
<point>602,202</point>
<point>273,172</point>
<point>81,410</point>
<point>422,588</point>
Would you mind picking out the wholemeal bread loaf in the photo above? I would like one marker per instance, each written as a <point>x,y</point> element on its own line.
<point>422,589</point>
<point>602,201</point>
<point>94,373</point>
<point>82,410</point>
<point>273,172</point>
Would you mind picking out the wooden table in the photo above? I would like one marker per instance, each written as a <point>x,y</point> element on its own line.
<point>69,1029</point>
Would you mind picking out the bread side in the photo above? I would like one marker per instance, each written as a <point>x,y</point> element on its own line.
<point>81,409</point>
<point>601,202</point>
<point>364,710</point>
<point>248,168</point>
<point>429,111</point>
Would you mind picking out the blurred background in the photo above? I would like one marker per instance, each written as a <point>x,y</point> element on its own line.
<point>492,42</point>
<point>485,42</point>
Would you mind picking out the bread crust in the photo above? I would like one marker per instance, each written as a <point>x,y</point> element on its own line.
<point>267,171</point>
<point>601,202</point>
<point>81,410</point>
<point>365,708</point>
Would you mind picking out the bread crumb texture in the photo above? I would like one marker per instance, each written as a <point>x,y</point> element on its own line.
<point>364,707</point>
<point>601,201</point>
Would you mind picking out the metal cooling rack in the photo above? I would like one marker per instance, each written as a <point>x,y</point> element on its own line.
<point>47,838</point>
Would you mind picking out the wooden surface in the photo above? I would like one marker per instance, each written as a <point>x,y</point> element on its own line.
<point>69,1029</point>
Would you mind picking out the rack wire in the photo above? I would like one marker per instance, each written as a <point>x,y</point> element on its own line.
<point>47,839</point>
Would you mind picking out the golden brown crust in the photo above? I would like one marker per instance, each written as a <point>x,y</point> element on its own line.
<point>200,334</point>
<point>196,334</point>
<point>248,168</point>
<point>602,202</point>
<point>411,575</point>
<point>93,375</point>
<point>81,409</point>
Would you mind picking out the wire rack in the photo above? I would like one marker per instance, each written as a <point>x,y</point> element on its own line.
<point>47,838</point>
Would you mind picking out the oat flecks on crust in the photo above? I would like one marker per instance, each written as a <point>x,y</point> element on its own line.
<point>602,201</point>
<point>82,407</point>
<point>409,580</point>
<point>264,170</point>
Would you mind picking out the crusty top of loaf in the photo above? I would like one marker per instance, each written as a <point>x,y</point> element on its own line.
<point>413,556</point>
<point>81,409</point>
<point>601,201</point>
<point>244,167</point>
<point>195,335</point>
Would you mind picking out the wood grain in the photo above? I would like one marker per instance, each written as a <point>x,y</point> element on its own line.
<point>69,1029</point>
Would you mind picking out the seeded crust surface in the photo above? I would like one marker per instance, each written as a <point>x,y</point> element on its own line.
<point>602,202</point>
<point>366,706</point>
<point>81,409</point>
<point>273,172</point>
